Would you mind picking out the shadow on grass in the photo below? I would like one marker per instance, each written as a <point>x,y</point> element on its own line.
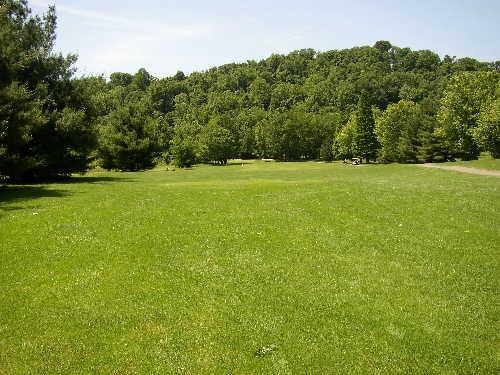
<point>90,179</point>
<point>237,164</point>
<point>231,164</point>
<point>12,195</point>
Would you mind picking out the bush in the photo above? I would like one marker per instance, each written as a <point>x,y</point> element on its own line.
<point>183,153</point>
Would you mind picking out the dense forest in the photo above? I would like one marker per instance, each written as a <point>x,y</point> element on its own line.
<point>381,103</point>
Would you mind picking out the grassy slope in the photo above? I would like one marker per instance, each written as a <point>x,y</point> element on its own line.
<point>388,269</point>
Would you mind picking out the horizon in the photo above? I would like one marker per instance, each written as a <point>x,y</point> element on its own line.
<point>164,37</point>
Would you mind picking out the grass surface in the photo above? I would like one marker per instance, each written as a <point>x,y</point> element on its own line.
<point>260,268</point>
<point>484,162</point>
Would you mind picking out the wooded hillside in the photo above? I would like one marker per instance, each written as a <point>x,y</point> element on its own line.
<point>382,102</point>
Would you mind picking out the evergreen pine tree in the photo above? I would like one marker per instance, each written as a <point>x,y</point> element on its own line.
<point>364,139</point>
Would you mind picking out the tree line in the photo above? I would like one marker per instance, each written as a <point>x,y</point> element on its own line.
<point>382,103</point>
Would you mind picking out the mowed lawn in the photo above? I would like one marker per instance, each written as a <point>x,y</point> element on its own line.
<point>254,268</point>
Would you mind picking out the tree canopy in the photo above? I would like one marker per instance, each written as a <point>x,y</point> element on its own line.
<point>44,125</point>
<point>383,103</point>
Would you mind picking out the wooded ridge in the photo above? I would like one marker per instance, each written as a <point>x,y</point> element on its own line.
<point>383,103</point>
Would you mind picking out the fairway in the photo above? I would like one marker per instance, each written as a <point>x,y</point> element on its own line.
<point>252,268</point>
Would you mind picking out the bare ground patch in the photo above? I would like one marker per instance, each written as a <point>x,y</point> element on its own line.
<point>458,168</point>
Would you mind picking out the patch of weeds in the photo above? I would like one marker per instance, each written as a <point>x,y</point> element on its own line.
<point>266,350</point>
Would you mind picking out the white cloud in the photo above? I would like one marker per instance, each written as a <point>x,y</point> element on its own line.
<point>114,43</point>
<point>80,12</point>
<point>147,30</point>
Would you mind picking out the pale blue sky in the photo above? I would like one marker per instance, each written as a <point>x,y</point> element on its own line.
<point>164,36</point>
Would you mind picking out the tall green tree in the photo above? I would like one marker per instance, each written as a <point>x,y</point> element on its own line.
<point>216,143</point>
<point>20,116</point>
<point>128,137</point>
<point>465,96</point>
<point>246,122</point>
<point>183,152</point>
<point>43,132</point>
<point>365,144</point>
<point>343,144</point>
<point>397,132</point>
<point>268,135</point>
<point>487,133</point>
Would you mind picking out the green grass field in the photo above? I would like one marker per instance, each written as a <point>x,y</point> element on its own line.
<point>256,268</point>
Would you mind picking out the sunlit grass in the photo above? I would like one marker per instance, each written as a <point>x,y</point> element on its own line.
<point>253,268</point>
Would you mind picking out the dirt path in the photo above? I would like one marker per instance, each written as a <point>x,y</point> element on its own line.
<point>458,168</point>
